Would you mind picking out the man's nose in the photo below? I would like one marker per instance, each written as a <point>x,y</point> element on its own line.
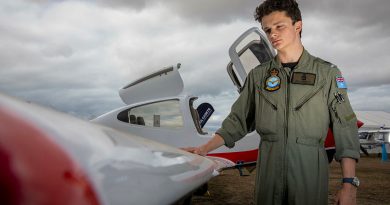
<point>273,34</point>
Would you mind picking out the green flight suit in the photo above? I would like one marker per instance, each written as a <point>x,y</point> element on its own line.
<point>292,121</point>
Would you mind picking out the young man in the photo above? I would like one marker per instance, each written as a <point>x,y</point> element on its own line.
<point>293,100</point>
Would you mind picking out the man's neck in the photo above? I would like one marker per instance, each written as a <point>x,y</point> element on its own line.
<point>290,55</point>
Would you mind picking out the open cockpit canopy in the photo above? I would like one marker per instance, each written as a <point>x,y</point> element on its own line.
<point>162,83</point>
<point>251,49</point>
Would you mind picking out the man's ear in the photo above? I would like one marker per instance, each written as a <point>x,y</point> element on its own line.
<point>298,26</point>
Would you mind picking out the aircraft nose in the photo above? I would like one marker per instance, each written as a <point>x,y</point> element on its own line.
<point>36,170</point>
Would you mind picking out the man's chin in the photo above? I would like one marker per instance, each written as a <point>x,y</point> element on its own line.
<point>278,47</point>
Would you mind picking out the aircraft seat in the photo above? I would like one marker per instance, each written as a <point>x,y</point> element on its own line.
<point>133,119</point>
<point>140,121</point>
<point>123,117</point>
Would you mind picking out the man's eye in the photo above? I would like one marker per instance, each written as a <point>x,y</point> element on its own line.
<point>267,31</point>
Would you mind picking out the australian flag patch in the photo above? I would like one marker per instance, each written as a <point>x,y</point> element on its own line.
<point>341,82</point>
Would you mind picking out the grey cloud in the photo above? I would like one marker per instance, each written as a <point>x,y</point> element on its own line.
<point>216,11</point>
<point>356,13</point>
<point>357,18</point>
<point>55,60</point>
<point>371,98</point>
<point>83,103</point>
<point>352,14</point>
<point>195,11</point>
<point>133,4</point>
<point>58,51</point>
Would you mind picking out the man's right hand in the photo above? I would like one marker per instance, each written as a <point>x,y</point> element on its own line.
<point>211,145</point>
<point>195,150</point>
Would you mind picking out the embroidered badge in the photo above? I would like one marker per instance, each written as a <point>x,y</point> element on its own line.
<point>341,82</point>
<point>273,81</point>
<point>303,78</point>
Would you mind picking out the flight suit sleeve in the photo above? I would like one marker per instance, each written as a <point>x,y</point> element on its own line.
<point>241,118</point>
<point>343,119</point>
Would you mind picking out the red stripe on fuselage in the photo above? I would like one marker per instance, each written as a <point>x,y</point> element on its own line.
<point>35,170</point>
<point>244,156</point>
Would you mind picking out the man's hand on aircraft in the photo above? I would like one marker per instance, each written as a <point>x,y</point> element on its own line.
<point>195,150</point>
<point>211,145</point>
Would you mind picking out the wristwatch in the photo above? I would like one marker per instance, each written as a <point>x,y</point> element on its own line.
<point>354,181</point>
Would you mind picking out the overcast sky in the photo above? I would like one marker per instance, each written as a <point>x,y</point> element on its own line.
<point>73,56</point>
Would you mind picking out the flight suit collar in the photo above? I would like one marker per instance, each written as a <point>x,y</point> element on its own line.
<point>303,62</point>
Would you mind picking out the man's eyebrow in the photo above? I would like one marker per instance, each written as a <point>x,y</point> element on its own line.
<point>276,23</point>
<point>279,22</point>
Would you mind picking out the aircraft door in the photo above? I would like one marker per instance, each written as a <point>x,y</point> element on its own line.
<point>250,50</point>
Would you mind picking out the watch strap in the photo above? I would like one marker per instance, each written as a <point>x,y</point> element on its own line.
<point>347,180</point>
<point>354,181</point>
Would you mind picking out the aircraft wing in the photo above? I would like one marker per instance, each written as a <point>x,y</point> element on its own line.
<point>228,160</point>
<point>49,157</point>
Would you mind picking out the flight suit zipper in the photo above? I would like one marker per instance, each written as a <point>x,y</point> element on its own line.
<point>286,138</point>
<point>287,108</point>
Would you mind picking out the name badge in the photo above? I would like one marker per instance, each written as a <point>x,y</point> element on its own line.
<point>303,78</point>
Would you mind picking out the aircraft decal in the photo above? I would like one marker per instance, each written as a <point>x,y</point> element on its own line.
<point>205,110</point>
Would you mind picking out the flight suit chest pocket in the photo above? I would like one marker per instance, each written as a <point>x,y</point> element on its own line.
<point>266,112</point>
<point>309,95</point>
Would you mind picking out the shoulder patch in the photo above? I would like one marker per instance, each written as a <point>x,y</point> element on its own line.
<point>341,82</point>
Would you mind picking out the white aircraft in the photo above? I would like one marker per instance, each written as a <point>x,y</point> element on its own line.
<point>47,158</point>
<point>373,140</point>
<point>158,109</point>
<point>374,136</point>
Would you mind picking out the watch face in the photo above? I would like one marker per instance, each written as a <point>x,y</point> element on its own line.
<point>356,181</point>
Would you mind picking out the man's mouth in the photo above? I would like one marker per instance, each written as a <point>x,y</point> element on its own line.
<point>276,42</point>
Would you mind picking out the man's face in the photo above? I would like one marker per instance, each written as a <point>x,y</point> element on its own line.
<point>280,30</point>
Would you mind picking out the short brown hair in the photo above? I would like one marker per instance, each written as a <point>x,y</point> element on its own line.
<point>268,6</point>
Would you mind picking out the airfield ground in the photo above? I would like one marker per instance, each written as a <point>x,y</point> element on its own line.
<point>374,175</point>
